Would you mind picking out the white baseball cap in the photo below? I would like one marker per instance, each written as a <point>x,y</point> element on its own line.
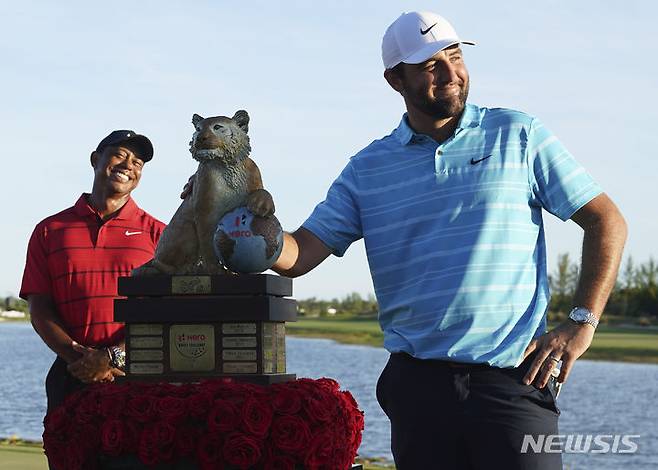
<point>415,37</point>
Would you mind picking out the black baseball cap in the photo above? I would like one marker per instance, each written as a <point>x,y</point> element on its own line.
<point>124,137</point>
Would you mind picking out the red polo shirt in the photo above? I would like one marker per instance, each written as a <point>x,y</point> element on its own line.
<point>76,258</point>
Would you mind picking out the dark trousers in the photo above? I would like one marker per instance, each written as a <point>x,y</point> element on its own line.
<point>60,384</point>
<point>448,416</point>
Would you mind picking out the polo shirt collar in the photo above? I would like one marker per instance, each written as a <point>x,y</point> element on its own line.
<point>470,118</point>
<point>84,209</point>
<point>404,133</point>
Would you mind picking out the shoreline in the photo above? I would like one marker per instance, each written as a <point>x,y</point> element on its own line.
<point>634,345</point>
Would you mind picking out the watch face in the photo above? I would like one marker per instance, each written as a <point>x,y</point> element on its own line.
<point>579,315</point>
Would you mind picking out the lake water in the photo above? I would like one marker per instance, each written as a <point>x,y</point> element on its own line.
<point>600,397</point>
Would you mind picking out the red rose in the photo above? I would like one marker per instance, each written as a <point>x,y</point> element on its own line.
<point>71,401</point>
<point>290,434</point>
<point>171,409</point>
<point>113,405</point>
<point>186,439</point>
<point>87,410</point>
<point>174,390</point>
<point>140,408</point>
<point>280,462</point>
<point>75,458</point>
<point>165,434</point>
<point>148,451</point>
<point>56,452</point>
<point>320,452</point>
<point>113,389</point>
<point>209,450</point>
<point>317,410</point>
<point>256,417</point>
<point>88,438</point>
<point>199,404</point>
<point>138,389</point>
<point>133,431</point>
<point>57,421</point>
<point>113,435</point>
<point>330,385</point>
<point>286,401</point>
<point>241,451</point>
<point>223,417</point>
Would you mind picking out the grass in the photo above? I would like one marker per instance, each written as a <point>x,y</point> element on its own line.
<point>611,343</point>
<point>349,330</point>
<point>20,455</point>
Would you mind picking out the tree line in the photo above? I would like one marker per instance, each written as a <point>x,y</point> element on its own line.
<point>635,293</point>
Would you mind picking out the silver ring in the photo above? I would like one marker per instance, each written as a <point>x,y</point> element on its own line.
<point>553,358</point>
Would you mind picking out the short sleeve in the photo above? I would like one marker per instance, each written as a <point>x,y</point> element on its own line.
<point>558,181</point>
<point>336,220</point>
<point>36,277</point>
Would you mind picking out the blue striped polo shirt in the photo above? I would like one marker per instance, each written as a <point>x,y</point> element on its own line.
<point>454,234</point>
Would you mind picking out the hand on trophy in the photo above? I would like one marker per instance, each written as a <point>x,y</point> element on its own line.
<point>187,189</point>
<point>260,202</point>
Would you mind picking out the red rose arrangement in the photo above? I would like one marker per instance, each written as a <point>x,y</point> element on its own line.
<point>218,424</point>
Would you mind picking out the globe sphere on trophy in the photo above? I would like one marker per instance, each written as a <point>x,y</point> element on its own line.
<point>247,243</point>
<point>206,384</point>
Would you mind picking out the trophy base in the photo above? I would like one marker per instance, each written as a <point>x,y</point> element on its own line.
<point>258,379</point>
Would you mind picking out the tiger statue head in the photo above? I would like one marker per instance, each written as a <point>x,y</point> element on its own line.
<point>221,138</point>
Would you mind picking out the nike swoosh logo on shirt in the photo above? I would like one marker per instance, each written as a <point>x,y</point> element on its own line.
<point>425,31</point>
<point>474,161</point>
<point>128,233</point>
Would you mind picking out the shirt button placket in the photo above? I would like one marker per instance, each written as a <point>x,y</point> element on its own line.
<point>100,240</point>
<point>439,165</point>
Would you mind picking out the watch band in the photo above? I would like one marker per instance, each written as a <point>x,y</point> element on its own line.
<point>117,357</point>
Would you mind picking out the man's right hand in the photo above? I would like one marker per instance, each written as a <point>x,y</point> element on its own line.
<point>112,374</point>
<point>93,366</point>
<point>302,251</point>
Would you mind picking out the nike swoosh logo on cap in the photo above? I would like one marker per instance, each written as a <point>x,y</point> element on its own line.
<point>128,233</point>
<point>425,31</point>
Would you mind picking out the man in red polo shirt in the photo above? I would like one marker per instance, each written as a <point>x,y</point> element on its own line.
<point>74,259</point>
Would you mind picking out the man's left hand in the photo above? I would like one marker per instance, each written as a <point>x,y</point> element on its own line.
<point>566,342</point>
<point>187,189</point>
<point>93,366</point>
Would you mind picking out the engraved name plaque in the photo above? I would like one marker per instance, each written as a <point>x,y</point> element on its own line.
<point>239,355</point>
<point>146,355</point>
<point>147,368</point>
<point>239,328</point>
<point>146,329</point>
<point>239,342</point>
<point>137,342</point>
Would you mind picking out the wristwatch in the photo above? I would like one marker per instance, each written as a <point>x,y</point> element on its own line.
<point>583,315</point>
<point>117,357</point>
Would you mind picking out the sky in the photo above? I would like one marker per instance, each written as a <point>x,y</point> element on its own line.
<point>310,76</point>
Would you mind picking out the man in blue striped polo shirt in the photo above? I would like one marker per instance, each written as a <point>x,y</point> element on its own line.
<point>450,208</point>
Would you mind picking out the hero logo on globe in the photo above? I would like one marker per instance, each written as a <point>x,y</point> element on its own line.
<point>240,233</point>
<point>191,345</point>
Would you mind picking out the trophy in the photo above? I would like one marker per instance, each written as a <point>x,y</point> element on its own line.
<point>199,309</point>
